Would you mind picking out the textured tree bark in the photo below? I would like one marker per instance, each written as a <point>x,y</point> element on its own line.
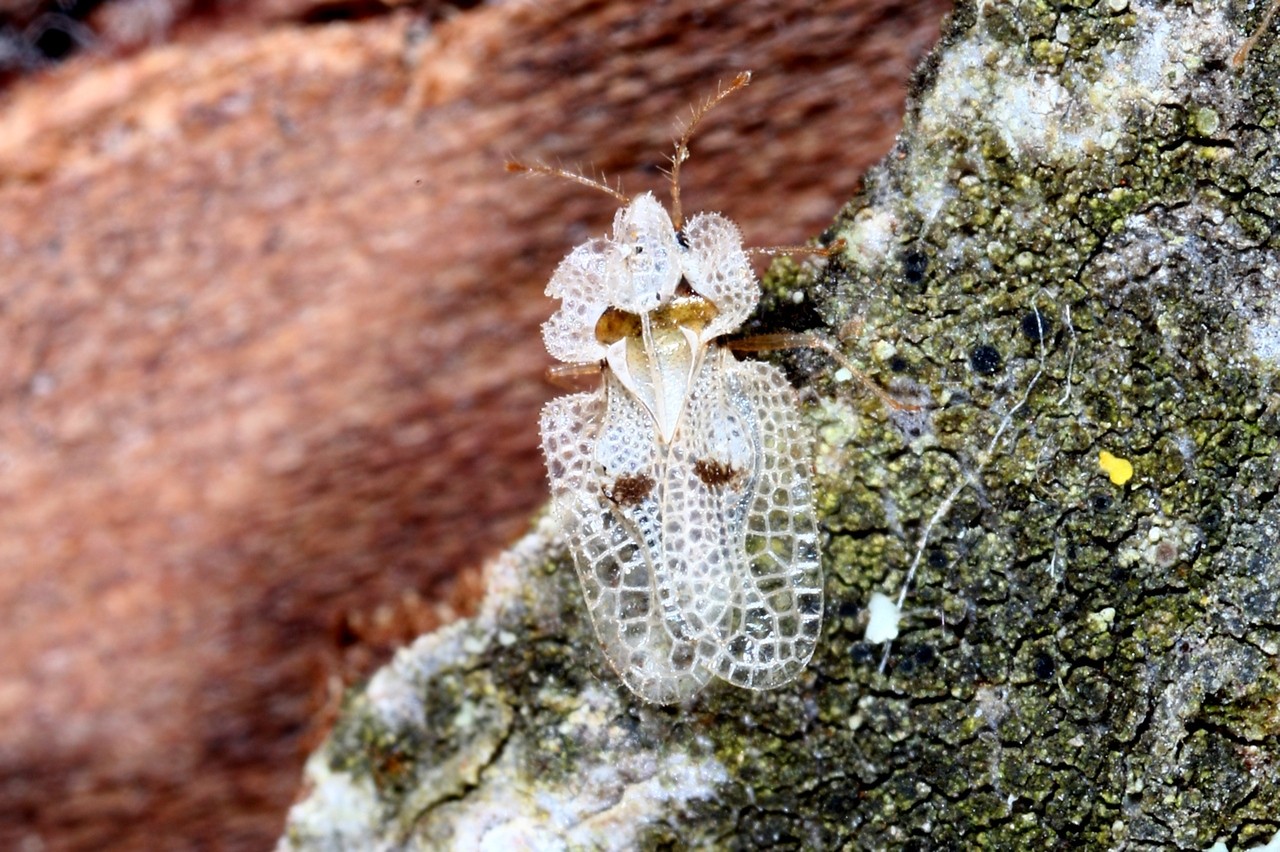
<point>271,356</point>
<point>1072,255</point>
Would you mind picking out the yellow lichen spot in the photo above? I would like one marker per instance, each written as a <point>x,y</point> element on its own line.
<point>1120,470</point>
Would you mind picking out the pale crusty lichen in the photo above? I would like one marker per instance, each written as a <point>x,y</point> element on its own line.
<point>489,734</point>
<point>1083,213</point>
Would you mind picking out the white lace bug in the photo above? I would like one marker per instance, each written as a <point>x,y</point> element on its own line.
<point>683,483</point>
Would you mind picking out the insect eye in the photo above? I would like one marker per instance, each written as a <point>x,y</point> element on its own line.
<point>639,249</point>
<point>615,324</point>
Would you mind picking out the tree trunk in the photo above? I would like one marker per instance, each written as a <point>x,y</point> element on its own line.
<point>1072,251</point>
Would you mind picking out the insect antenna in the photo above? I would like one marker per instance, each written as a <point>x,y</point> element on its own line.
<point>682,147</point>
<point>539,169</point>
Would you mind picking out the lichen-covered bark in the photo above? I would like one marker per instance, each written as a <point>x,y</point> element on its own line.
<point>1074,249</point>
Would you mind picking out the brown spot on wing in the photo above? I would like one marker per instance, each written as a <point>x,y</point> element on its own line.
<point>713,473</point>
<point>630,489</point>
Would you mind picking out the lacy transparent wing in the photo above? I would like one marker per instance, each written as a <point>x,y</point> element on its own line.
<point>600,451</point>
<point>766,632</point>
<point>580,282</point>
<point>717,267</point>
<point>704,491</point>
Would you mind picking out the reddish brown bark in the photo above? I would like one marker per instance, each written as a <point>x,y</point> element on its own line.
<point>271,364</point>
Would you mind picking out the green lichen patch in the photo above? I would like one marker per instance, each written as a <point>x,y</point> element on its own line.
<point>1136,245</point>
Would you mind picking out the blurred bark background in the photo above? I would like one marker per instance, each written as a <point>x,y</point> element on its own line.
<point>270,359</point>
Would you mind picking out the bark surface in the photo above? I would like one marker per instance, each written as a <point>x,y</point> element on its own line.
<point>1073,250</point>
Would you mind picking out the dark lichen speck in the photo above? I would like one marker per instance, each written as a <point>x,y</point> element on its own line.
<point>848,609</point>
<point>1036,326</point>
<point>984,359</point>
<point>914,265</point>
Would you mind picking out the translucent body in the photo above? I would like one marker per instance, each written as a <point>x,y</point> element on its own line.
<point>683,484</point>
